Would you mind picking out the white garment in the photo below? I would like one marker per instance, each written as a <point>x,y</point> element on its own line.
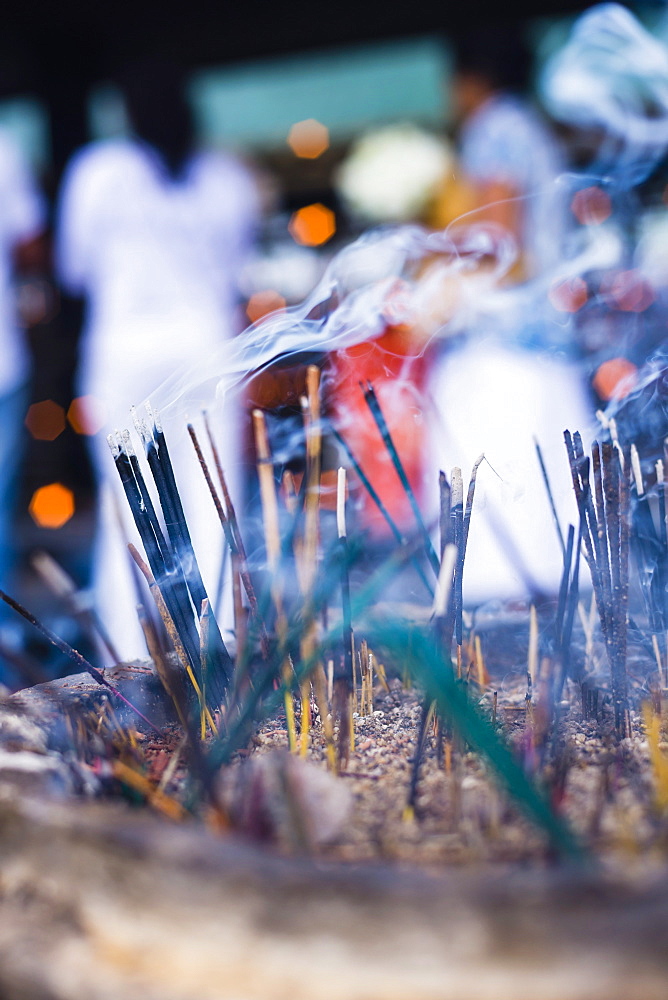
<point>499,400</point>
<point>506,140</point>
<point>21,218</point>
<point>157,260</point>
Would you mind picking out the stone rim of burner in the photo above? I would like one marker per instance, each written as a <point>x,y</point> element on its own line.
<point>107,892</point>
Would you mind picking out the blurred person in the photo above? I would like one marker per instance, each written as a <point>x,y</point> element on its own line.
<point>508,158</point>
<point>152,234</point>
<point>514,377</point>
<point>22,250</point>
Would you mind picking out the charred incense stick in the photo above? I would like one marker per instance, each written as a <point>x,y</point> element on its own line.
<point>381,423</point>
<point>74,655</point>
<point>581,487</point>
<point>159,460</point>
<point>161,562</point>
<point>602,518</point>
<point>606,537</point>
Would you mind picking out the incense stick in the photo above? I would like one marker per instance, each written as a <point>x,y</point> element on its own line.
<point>265,471</point>
<point>550,496</point>
<point>444,511</point>
<point>238,562</point>
<point>63,586</point>
<point>399,537</point>
<point>75,656</point>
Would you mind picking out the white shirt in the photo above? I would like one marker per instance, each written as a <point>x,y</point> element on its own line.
<point>158,261</point>
<point>21,219</point>
<point>157,258</point>
<point>506,140</point>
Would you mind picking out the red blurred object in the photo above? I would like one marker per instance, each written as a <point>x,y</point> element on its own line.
<point>395,365</point>
<point>615,379</point>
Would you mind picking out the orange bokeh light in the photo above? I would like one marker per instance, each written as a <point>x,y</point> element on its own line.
<point>86,415</point>
<point>308,139</point>
<point>52,506</point>
<point>262,303</point>
<point>591,206</point>
<point>615,378</point>
<point>312,225</point>
<point>569,295</point>
<point>631,292</point>
<point>45,420</point>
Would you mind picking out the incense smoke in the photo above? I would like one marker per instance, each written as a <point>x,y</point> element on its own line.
<point>612,76</point>
<point>448,287</point>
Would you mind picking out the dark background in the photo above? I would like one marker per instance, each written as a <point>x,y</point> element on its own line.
<point>56,50</point>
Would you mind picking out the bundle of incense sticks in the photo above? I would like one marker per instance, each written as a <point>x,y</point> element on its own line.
<point>170,553</point>
<point>605,527</point>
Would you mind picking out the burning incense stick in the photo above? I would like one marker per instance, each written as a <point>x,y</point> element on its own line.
<point>532,653</point>
<point>550,496</point>
<point>160,558</point>
<point>457,520</point>
<point>444,511</point>
<point>344,682</point>
<point>239,564</point>
<point>444,582</point>
<point>159,460</point>
<point>265,471</point>
<point>381,423</point>
<point>171,629</point>
<point>348,640</point>
<point>359,472</point>
<point>75,656</point>
<point>309,552</point>
<point>605,530</point>
<point>231,515</point>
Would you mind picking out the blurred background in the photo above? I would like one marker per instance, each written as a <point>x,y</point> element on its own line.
<point>288,87</point>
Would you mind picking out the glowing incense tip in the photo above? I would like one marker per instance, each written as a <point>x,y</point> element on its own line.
<point>444,582</point>
<point>341,502</point>
<point>637,471</point>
